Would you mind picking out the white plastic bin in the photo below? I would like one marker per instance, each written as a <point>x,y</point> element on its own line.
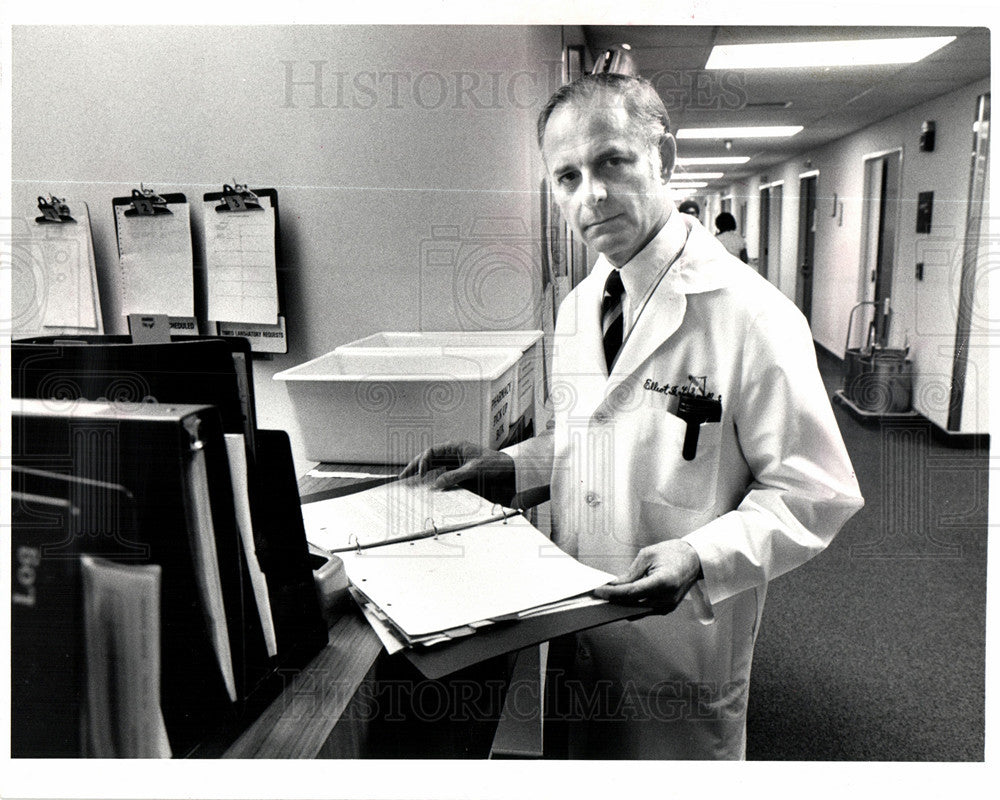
<point>386,406</point>
<point>529,392</point>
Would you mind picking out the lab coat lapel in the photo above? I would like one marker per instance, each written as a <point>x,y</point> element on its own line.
<point>580,346</point>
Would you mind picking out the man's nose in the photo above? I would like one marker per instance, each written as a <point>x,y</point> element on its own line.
<point>593,189</point>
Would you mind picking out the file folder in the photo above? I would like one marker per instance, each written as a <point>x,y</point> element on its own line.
<point>451,580</point>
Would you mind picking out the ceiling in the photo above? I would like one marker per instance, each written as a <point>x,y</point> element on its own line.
<point>829,102</point>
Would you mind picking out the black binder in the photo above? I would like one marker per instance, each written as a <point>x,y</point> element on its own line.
<point>172,459</point>
<point>282,551</point>
<point>212,370</point>
<point>46,665</point>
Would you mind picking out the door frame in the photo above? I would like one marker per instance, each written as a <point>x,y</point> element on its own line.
<point>804,282</point>
<point>766,263</point>
<point>872,278</point>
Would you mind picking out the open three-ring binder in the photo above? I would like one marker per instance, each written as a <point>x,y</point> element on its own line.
<point>450,579</point>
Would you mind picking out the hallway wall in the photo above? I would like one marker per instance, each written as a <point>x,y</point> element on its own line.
<point>924,311</point>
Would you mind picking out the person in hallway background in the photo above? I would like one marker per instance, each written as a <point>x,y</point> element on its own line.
<point>694,451</point>
<point>725,224</point>
<point>690,207</point>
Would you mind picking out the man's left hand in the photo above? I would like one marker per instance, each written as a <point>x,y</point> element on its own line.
<point>660,575</point>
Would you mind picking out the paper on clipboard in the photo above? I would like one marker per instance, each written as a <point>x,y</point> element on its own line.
<point>156,261</point>
<point>240,264</point>
<point>54,283</point>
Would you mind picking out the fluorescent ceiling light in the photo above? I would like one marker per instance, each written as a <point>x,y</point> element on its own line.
<point>687,185</point>
<point>698,176</point>
<point>759,132</point>
<point>704,161</point>
<point>855,53</point>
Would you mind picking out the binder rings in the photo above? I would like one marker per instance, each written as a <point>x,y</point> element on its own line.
<point>172,460</point>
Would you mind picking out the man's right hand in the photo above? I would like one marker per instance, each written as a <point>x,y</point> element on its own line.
<point>483,471</point>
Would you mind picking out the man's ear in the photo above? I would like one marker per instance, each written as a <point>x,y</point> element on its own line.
<point>668,156</point>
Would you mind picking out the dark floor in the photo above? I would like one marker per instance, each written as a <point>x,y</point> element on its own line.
<point>875,650</point>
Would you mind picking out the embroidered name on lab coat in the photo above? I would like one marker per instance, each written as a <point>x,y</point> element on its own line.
<point>695,408</point>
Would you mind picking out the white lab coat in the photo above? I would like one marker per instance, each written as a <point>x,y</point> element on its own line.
<point>769,487</point>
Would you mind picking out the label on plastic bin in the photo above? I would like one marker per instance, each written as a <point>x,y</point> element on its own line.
<point>503,403</point>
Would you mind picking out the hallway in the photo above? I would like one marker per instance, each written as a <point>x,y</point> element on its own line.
<point>875,650</point>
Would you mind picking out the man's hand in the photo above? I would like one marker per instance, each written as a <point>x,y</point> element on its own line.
<point>660,575</point>
<point>486,472</point>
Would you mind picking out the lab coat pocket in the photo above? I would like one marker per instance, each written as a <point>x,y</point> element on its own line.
<point>669,478</point>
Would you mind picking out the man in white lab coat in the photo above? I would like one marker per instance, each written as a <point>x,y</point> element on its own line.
<point>697,462</point>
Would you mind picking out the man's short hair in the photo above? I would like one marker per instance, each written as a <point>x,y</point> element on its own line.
<point>639,98</point>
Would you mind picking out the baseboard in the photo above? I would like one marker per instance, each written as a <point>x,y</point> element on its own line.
<point>961,441</point>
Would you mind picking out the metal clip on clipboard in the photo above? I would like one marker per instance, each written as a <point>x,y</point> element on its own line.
<point>54,210</point>
<point>147,203</point>
<point>238,198</point>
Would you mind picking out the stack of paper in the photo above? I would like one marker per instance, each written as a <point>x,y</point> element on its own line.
<point>427,578</point>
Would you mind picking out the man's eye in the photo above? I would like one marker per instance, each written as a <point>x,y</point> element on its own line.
<point>615,161</point>
<point>566,178</point>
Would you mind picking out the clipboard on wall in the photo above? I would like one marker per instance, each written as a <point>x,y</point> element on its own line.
<point>155,256</point>
<point>244,296</point>
<point>53,272</point>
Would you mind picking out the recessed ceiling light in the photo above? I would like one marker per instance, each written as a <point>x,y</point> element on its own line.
<point>677,185</point>
<point>698,176</point>
<point>704,161</point>
<point>855,53</point>
<point>759,132</point>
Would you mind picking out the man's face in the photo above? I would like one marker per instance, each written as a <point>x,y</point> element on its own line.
<point>606,178</point>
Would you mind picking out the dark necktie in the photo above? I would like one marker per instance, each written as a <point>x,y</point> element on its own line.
<point>612,321</point>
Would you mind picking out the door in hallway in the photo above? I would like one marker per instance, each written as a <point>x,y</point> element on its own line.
<point>880,222</point>
<point>807,245</point>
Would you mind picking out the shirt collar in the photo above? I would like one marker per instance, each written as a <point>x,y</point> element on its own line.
<point>647,266</point>
<point>695,261</point>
